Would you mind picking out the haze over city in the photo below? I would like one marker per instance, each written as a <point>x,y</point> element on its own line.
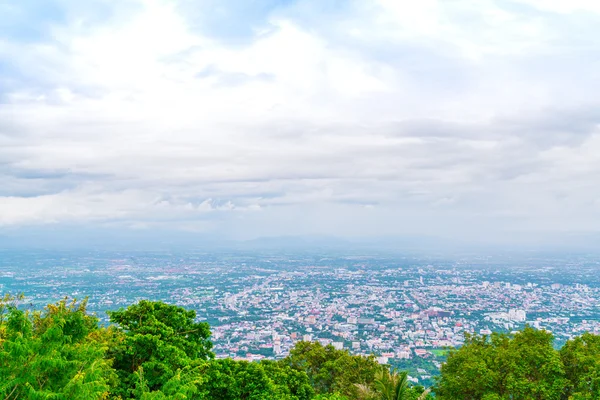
<point>470,120</point>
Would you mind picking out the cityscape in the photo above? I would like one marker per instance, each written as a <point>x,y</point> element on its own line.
<point>407,310</point>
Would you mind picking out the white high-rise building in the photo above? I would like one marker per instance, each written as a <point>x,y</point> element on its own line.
<point>382,360</point>
<point>404,354</point>
<point>517,315</point>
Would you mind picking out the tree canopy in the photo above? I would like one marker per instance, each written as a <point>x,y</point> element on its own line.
<point>502,366</point>
<point>159,339</point>
<point>56,353</point>
<point>156,351</point>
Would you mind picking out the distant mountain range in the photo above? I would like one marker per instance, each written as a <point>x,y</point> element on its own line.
<point>150,239</point>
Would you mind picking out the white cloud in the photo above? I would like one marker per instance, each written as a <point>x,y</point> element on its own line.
<point>561,6</point>
<point>428,112</point>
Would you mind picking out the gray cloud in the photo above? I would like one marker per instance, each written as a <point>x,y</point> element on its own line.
<point>222,78</point>
<point>466,117</point>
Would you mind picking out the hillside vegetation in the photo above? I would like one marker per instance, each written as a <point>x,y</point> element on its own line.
<point>154,350</point>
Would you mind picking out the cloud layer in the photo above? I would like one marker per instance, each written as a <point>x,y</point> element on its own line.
<point>351,118</point>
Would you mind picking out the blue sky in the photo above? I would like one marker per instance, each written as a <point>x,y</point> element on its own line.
<point>469,119</point>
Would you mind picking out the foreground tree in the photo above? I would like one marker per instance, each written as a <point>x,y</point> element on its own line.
<point>581,360</point>
<point>184,385</point>
<point>330,396</point>
<point>57,353</point>
<point>330,370</point>
<point>290,383</point>
<point>391,385</point>
<point>156,351</point>
<point>162,340</point>
<point>520,367</point>
<point>228,379</point>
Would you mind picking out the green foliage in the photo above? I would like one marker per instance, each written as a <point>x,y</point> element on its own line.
<point>581,360</point>
<point>228,379</point>
<point>52,354</point>
<point>161,339</point>
<point>330,396</point>
<point>523,366</point>
<point>391,385</point>
<point>182,386</point>
<point>290,383</point>
<point>339,373</point>
<point>331,370</point>
<point>156,351</point>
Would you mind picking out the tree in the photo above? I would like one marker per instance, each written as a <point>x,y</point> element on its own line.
<point>330,396</point>
<point>500,366</point>
<point>581,360</point>
<point>184,385</point>
<point>236,380</point>
<point>158,351</point>
<point>160,338</point>
<point>55,353</point>
<point>330,370</point>
<point>290,384</point>
<point>391,385</point>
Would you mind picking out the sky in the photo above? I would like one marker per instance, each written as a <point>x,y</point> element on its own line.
<point>468,119</point>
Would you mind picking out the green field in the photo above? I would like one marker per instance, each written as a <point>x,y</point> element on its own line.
<point>440,352</point>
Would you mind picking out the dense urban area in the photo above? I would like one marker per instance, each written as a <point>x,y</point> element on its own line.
<point>407,310</point>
